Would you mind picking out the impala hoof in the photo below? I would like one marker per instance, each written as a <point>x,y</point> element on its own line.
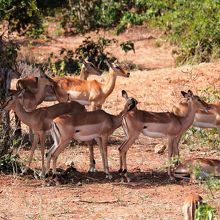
<point>92,170</point>
<point>108,176</point>
<point>24,170</point>
<point>120,171</point>
<point>42,174</point>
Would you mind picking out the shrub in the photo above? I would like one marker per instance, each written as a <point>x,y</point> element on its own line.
<point>22,16</point>
<point>205,211</point>
<point>94,51</point>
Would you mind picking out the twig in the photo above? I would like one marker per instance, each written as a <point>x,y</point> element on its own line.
<point>211,191</point>
<point>98,202</point>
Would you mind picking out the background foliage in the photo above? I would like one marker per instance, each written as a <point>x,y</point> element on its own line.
<point>192,25</point>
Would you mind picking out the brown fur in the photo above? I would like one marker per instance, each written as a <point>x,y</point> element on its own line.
<point>40,119</point>
<point>155,125</point>
<point>190,205</point>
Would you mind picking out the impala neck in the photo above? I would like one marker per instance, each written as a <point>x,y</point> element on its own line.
<point>40,94</point>
<point>83,74</point>
<point>110,85</point>
<point>61,94</point>
<point>187,120</point>
<point>117,120</point>
<point>21,113</point>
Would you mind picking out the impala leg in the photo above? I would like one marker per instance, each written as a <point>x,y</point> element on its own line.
<point>33,148</point>
<point>105,152</point>
<point>57,152</point>
<point>176,148</point>
<point>99,142</point>
<point>30,135</point>
<point>170,153</point>
<point>93,106</point>
<point>123,153</point>
<point>42,143</point>
<point>48,159</point>
<point>91,157</point>
<point>120,155</point>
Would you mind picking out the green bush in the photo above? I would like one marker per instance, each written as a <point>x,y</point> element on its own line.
<point>22,16</point>
<point>205,212</point>
<point>10,164</point>
<point>192,25</point>
<point>68,61</point>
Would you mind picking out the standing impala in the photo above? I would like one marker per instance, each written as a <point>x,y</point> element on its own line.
<point>156,125</point>
<point>84,126</point>
<point>90,92</point>
<point>40,119</point>
<point>30,83</point>
<point>210,119</point>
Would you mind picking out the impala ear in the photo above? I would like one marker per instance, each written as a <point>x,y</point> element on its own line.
<point>185,94</point>
<point>124,94</point>
<point>190,93</point>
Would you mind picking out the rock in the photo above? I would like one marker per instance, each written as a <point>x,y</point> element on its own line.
<point>159,148</point>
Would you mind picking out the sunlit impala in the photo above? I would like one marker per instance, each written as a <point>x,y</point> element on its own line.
<point>157,125</point>
<point>85,126</point>
<point>191,203</point>
<point>39,120</point>
<point>31,83</point>
<point>90,92</point>
<point>203,119</point>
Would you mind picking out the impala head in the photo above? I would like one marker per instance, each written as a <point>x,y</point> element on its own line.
<point>197,102</point>
<point>44,80</point>
<point>131,103</point>
<point>90,68</point>
<point>117,69</point>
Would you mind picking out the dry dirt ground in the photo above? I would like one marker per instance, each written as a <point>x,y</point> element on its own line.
<point>150,194</point>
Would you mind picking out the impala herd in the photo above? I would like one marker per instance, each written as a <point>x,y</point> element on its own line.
<point>69,119</point>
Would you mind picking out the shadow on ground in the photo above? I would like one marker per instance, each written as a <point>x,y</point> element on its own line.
<point>73,177</point>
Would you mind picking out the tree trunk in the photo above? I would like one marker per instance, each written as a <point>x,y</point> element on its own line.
<point>6,119</point>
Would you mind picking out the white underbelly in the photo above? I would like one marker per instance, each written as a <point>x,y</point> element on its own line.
<point>77,96</point>
<point>83,102</point>
<point>203,125</point>
<point>87,132</point>
<point>153,134</point>
<point>80,137</point>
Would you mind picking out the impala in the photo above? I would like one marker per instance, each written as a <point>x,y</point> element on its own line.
<point>30,83</point>
<point>40,119</point>
<point>210,119</point>
<point>89,92</point>
<point>156,125</point>
<point>191,203</point>
<point>85,126</point>
<point>197,168</point>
